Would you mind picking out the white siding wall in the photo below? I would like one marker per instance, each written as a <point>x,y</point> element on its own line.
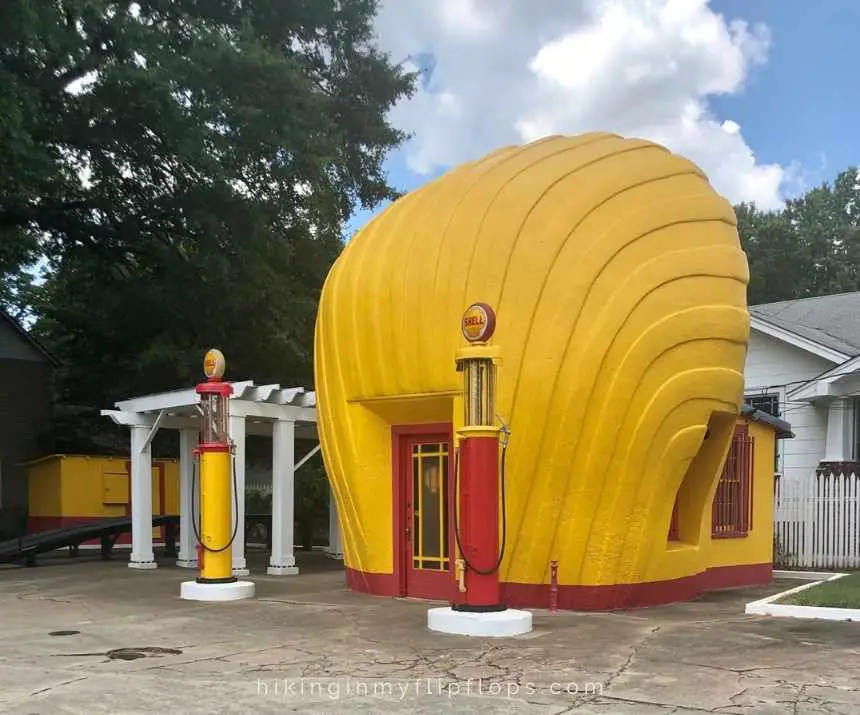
<point>774,366</point>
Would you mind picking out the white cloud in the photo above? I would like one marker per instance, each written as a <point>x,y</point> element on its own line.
<point>508,71</point>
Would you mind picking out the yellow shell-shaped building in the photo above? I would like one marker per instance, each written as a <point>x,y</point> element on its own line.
<point>619,286</point>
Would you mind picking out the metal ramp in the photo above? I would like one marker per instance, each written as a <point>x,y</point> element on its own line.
<point>26,548</point>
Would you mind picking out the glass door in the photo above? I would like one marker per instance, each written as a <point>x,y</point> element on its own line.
<point>427,547</point>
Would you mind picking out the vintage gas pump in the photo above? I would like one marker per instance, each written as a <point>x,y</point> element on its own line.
<point>476,474</point>
<point>479,488</point>
<point>216,531</point>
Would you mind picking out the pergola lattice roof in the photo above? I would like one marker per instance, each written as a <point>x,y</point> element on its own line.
<point>259,404</point>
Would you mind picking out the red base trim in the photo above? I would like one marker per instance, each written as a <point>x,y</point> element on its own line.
<point>597,598</point>
<point>380,584</point>
<point>45,523</point>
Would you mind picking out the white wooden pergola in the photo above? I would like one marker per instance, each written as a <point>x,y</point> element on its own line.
<point>283,414</point>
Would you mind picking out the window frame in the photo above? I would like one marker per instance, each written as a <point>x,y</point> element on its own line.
<point>751,398</point>
<point>732,506</point>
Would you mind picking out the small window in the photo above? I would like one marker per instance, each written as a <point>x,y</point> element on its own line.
<point>769,403</point>
<point>766,403</point>
<point>731,515</point>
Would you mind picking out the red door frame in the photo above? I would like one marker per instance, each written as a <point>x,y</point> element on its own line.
<point>402,555</point>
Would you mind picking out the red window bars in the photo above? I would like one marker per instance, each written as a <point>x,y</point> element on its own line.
<point>731,515</point>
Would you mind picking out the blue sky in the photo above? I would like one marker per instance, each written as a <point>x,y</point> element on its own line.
<point>803,104</point>
<point>798,108</point>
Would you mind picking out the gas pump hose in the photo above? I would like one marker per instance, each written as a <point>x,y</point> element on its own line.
<point>194,518</point>
<point>498,563</point>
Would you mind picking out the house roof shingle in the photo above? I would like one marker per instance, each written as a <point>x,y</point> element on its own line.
<point>829,320</point>
<point>25,334</point>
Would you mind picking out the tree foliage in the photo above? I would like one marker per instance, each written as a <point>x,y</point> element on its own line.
<point>811,247</point>
<point>184,168</point>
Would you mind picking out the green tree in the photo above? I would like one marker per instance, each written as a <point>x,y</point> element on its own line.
<point>312,495</point>
<point>772,252</point>
<point>811,247</point>
<point>185,168</point>
<point>826,221</point>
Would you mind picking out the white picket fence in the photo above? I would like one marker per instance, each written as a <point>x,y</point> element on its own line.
<point>264,489</point>
<point>817,522</point>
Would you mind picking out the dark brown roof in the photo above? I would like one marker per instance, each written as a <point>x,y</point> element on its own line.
<point>25,334</point>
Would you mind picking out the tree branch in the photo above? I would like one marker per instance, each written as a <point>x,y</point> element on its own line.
<point>22,216</point>
<point>100,48</point>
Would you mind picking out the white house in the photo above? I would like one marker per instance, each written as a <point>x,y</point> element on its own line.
<point>803,364</point>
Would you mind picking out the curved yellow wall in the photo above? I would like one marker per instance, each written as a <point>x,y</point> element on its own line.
<point>620,290</point>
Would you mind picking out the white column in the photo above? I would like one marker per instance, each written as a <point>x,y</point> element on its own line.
<point>283,560</point>
<point>189,504</point>
<point>838,443</point>
<point>335,544</point>
<point>142,556</point>
<point>237,434</point>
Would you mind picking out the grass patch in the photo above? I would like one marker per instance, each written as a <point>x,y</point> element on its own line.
<point>842,593</point>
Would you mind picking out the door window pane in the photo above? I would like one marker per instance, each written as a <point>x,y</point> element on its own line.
<point>430,507</point>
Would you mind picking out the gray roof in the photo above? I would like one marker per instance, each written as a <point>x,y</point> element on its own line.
<point>830,320</point>
<point>27,337</point>
<point>782,428</point>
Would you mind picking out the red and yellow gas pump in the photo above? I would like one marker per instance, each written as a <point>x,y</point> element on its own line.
<point>479,489</point>
<point>216,531</point>
<point>216,534</point>
<point>477,483</point>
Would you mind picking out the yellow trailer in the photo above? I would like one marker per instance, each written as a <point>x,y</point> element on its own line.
<point>67,490</point>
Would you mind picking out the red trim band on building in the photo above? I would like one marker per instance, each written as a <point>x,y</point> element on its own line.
<point>596,598</point>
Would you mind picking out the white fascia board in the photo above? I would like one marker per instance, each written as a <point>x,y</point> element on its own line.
<point>243,408</point>
<point>136,419</point>
<point>171,400</point>
<point>825,385</point>
<point>816,389</point>
<point>798,341</point>
<point>159,401</point>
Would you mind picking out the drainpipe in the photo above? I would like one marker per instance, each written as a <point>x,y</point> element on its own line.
<point>553,586</point>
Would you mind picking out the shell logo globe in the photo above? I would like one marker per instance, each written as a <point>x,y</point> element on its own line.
<point>214,364</point>
<point>479,323</point>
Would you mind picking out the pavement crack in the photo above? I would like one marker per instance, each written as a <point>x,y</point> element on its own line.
<point>736,671</point>
<point>801,696</point>
<point>39,597</point>
<point>733,698</point>
<point>58,685</point>
<point>672,707</point>
<point>634,651</point>
<point>202,659</point>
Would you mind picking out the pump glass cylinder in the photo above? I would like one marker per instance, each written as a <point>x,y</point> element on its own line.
<point>216,424</point>
<point>479,391</point>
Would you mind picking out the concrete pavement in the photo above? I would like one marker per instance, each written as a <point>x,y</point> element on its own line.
<point>83,636</point>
